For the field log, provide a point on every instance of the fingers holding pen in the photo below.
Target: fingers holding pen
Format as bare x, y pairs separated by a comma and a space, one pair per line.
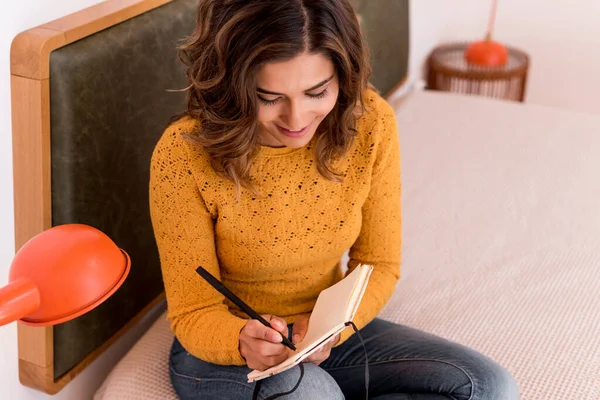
261, 345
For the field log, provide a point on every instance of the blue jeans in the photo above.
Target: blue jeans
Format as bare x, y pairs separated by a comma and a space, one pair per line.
404, 364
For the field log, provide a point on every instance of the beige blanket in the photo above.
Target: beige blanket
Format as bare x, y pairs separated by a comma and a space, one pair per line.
501, 234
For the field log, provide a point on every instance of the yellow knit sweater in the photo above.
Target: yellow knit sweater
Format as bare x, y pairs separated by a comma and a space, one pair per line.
276, 252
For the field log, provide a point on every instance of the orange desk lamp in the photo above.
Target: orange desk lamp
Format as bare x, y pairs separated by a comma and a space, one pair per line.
487, 52
60, 274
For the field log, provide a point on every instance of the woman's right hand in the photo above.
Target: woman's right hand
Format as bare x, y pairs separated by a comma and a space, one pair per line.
260, 345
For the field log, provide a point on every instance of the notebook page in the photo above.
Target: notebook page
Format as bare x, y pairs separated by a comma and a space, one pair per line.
357, 294
331, 309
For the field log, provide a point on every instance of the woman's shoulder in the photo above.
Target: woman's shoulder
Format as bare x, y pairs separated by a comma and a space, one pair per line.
376, 107
174, 141
184, 123
177, 129
378, 115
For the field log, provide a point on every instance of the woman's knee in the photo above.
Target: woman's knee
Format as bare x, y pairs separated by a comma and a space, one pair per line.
316, 384
494, 382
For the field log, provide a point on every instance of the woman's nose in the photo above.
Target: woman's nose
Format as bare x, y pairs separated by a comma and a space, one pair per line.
293, 117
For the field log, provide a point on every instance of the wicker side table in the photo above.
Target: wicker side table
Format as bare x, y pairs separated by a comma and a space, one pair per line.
448, 71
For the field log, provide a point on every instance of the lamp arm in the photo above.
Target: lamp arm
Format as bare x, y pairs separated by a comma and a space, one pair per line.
19, 298
492, 20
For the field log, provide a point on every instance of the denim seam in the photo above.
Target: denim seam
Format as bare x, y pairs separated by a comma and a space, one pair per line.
195, 379
414, 359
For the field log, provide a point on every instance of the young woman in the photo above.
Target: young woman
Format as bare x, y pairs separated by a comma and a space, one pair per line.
284, 160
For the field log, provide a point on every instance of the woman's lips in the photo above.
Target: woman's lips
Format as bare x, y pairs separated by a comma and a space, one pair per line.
294, 134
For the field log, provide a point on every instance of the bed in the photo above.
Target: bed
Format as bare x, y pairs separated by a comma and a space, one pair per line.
501, 226
502, 236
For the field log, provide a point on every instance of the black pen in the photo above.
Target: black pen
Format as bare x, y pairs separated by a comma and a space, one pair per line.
238, 302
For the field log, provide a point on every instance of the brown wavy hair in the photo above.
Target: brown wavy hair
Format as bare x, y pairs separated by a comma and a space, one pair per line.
233, 39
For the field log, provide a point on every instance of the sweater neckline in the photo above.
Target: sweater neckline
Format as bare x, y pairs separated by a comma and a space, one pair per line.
267, 151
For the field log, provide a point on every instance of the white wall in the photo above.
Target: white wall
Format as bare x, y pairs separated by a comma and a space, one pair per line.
561, 36
17, 16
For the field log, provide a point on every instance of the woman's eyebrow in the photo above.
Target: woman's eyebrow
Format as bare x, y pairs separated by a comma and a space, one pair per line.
318, 85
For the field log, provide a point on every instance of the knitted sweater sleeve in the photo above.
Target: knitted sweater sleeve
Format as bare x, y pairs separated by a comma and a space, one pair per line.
379, 241
184, 232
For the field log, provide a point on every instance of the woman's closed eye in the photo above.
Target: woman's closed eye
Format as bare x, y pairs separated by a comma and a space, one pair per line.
270, 102
319, 95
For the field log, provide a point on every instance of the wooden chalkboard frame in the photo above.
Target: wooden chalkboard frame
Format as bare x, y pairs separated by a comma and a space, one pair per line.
30, 92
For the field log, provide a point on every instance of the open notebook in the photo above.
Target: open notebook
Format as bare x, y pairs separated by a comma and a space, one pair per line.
335, 307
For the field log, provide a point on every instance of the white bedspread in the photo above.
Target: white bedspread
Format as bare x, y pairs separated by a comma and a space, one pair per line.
501, 251
501, 234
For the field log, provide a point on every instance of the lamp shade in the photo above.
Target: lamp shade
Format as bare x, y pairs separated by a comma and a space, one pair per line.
60, 274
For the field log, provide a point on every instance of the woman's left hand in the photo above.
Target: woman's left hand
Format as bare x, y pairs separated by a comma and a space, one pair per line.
299, 330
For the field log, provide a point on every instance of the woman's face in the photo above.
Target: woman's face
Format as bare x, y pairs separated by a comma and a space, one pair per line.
294, 97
